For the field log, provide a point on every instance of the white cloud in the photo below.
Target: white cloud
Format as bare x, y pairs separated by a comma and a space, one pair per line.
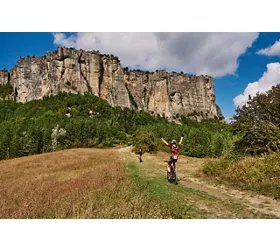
273, 50
269, 78
62, 40
214, 54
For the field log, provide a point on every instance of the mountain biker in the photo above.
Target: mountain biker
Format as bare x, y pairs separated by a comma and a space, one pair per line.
140, 152
174, 152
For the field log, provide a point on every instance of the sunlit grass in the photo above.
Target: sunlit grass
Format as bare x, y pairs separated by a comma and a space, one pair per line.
260, 174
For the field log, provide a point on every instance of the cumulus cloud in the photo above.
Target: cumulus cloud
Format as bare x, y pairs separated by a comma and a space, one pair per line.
273, 50
214, 54
269, 78
62, 40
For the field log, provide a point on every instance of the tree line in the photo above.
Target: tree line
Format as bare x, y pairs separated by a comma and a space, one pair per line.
68, 120
88, 121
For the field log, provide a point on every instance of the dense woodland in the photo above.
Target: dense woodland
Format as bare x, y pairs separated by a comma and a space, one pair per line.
69, 121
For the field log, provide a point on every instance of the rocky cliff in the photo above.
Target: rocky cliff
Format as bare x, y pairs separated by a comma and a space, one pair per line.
78, 71
170, 94
4, 77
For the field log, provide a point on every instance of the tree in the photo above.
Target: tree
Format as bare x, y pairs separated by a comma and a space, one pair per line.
258, 122
56, 133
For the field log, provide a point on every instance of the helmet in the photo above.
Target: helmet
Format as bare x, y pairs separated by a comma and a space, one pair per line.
173, 142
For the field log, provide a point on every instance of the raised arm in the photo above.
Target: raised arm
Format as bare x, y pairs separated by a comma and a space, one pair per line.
164, 141
181, 140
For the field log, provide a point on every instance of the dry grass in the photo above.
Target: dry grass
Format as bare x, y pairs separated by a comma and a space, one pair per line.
189, 199
103, 183
70, 184
30, 186
260, 174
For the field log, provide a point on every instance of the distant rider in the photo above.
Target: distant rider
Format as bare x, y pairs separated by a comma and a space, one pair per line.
140, 152
174, 152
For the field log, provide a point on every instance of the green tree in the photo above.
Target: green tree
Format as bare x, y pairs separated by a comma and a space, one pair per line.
258, 122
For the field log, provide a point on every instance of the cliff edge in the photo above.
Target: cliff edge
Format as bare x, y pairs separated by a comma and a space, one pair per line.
78, 71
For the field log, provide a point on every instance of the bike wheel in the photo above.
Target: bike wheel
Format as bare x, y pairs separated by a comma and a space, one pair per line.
175, 175
167, 176
175, 178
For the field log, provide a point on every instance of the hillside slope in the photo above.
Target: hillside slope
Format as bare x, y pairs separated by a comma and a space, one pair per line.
110, 183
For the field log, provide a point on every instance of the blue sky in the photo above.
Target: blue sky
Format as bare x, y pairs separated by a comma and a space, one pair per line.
182, 52
251, 68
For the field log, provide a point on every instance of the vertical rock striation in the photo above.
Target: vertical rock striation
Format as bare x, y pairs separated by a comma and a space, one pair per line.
77, 71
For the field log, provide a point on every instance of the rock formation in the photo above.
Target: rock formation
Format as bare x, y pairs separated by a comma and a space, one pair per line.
78, 71
170, 94
4, 77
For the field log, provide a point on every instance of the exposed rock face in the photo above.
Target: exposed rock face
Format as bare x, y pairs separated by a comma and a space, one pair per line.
4, 77
172, 93
78, 71
69, 70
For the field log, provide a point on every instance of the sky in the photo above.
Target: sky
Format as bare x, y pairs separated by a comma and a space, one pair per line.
241, 63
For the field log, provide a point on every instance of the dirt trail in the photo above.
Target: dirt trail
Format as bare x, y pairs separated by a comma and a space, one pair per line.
189, 169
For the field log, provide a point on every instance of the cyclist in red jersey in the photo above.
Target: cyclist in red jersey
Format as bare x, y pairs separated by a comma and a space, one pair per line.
174, 152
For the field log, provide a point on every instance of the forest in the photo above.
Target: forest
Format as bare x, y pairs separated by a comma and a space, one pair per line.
70, 121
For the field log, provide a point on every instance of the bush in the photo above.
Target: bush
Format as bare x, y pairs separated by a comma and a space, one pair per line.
260, 174
147, 141
5, 90
200, 139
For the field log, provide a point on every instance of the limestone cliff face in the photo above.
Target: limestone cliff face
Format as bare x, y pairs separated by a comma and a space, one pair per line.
172, 93
4, 77
69, 70
78, 71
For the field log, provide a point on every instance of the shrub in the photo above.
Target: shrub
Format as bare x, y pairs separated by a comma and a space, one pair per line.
260, 174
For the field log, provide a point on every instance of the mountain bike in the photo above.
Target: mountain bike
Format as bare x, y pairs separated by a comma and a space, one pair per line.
173, 177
